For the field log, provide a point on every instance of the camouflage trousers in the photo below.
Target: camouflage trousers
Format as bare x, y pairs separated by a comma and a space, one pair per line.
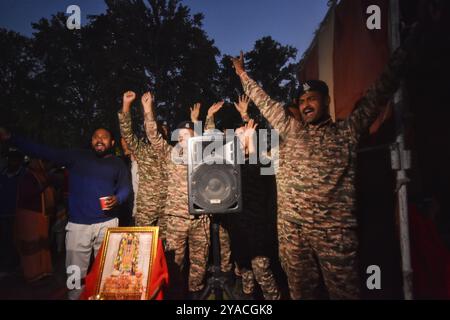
260, 270
187, 234
226, 265
144, 220
162, 224
152, 218
313, 257
251, 253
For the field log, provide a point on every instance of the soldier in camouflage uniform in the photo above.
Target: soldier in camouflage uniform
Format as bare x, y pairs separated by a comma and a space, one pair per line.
152, 190
317, 227
248, 230
183, 230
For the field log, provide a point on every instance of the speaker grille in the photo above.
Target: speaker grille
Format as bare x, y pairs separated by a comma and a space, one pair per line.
214, 186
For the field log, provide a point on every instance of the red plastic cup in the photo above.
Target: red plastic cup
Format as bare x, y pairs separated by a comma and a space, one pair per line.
103, 204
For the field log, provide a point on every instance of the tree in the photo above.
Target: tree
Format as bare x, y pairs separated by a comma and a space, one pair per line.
163, 48
63, 85
16, 76
271, 64
67, 82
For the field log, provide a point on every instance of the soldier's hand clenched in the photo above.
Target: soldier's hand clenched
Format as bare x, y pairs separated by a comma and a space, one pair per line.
147, 103
128, 98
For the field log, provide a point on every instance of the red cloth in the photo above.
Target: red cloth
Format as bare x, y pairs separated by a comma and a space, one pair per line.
310, 69
159, 277
360, 54
430, 259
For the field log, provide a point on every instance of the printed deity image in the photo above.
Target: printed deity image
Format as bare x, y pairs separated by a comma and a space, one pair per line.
125, 282
126, 266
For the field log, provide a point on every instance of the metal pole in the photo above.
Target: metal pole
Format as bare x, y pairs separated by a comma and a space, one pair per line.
401, 161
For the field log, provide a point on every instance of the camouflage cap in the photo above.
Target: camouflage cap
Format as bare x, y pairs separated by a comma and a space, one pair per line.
186, 125
313, 85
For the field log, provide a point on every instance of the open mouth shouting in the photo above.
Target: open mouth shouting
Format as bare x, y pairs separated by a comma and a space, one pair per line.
308, 112
100, 147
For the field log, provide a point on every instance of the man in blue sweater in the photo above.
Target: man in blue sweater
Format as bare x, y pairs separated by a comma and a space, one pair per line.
93, 174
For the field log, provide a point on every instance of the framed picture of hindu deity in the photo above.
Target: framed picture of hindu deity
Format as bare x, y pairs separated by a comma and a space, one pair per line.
126, 263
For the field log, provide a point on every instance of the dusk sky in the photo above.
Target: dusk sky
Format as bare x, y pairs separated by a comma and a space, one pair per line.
233, 24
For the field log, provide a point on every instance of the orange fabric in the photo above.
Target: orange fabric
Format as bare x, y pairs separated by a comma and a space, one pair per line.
48, 195
159, 277
32, 228
33, 244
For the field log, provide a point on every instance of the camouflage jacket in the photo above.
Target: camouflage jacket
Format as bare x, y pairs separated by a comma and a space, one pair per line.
152, 191
318, 162
177, 199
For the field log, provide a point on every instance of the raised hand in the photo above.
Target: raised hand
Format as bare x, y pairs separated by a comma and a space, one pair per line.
250, 128
147, 102
242, 105
238, 64
195, 112
250, 135
214, 108
128, 98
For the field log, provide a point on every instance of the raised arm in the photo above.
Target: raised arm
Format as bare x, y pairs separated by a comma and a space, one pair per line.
151, 127
126, 127
272, 110
35, 150
209, 123
195, 112
250, 136
242, 107
368, 108
371, 105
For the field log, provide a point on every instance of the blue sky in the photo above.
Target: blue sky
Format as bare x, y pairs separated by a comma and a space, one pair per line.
233, 24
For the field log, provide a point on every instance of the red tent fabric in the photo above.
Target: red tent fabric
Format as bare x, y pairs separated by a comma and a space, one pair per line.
159, 277
360, 54
310, 69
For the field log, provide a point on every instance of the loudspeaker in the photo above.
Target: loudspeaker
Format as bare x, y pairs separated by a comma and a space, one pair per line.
214, 175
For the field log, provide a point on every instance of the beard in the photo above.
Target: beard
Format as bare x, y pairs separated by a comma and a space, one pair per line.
102, 153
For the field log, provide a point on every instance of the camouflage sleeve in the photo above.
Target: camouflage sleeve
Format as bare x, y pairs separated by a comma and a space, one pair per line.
369, 107
126, 131
156, 139
209, 123
272, 110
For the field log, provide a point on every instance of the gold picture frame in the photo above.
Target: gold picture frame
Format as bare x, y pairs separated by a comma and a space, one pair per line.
126, 263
